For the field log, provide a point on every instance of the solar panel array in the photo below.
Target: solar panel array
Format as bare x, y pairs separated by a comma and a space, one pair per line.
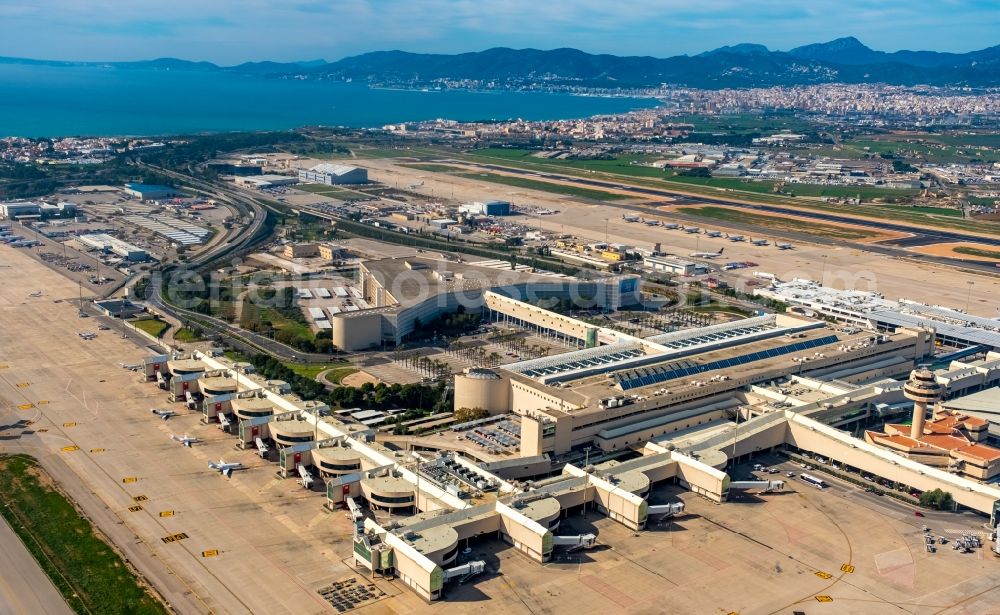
646, 376
578, 359
709, 337
175, 230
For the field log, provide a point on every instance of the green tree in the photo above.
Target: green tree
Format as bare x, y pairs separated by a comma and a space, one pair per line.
937, 499
464, 415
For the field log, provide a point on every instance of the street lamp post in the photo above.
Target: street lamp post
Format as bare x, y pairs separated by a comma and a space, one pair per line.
968, 297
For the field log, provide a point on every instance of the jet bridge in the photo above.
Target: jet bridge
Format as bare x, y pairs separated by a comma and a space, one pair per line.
665, 510
575, 543
765, 486
464, 572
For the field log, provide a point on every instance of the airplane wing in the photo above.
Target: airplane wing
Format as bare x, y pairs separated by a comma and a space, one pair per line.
227, 472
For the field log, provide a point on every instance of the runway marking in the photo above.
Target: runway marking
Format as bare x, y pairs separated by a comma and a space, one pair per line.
140, 498
70, 449
26, 406
847, 568
210, 553
130, 479
97, 450
166, 513
824, 599
135, 508
4, 366
174, 537
69, 424
42, 402
823, 575
23, 385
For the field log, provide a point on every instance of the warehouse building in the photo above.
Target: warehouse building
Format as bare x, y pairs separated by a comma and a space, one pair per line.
333, 174
150, 192
13, 211
672, 265
107, 243
261, 182
488, 208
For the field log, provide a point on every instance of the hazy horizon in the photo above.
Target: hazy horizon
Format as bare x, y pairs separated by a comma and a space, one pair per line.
228, 32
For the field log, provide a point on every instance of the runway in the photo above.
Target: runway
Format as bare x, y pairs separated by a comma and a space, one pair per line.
24, 588
929, 235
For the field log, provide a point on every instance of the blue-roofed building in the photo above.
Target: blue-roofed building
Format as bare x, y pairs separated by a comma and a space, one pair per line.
150, 192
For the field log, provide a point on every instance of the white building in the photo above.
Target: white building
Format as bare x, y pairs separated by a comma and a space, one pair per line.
669, 264
332, 174
10, 211
266, 181
107, 243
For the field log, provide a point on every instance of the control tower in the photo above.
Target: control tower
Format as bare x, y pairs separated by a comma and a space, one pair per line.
923, 389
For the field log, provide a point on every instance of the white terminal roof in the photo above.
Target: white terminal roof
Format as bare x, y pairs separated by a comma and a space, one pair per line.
950, 323
631, 352
333, 169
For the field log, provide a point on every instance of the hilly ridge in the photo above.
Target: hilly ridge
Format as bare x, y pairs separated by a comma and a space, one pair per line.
844, 60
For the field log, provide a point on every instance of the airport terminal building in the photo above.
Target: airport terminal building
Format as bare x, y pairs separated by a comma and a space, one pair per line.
402, 293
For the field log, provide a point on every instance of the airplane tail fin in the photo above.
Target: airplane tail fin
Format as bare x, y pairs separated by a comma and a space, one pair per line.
227, 472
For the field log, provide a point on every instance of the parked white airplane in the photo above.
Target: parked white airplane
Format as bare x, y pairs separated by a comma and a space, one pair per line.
186, 440
707, 254
226, 469
671, 226
692, 229
713, 233
630, 218
134, 366
759, 242
163, 414
87, 336
784, 246
735, 237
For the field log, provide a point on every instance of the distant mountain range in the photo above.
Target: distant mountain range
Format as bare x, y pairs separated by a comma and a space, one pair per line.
844, 60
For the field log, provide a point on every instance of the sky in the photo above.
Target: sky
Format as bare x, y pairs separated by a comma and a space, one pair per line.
234, 31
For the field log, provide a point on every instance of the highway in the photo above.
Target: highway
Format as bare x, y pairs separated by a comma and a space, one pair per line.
240, 241
932, 235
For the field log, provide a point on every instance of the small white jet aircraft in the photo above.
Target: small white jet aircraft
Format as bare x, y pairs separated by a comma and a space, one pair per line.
163, 414
707, 254
87, 336
186, 440
759, 242
784, 246
133, 366
226, 469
